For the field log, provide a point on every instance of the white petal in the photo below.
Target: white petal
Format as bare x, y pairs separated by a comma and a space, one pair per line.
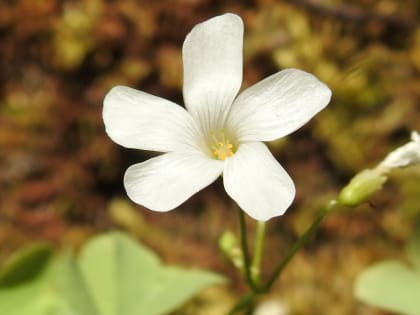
212, 59
139, 120
164, 182
277, 106
404, 156
257, 182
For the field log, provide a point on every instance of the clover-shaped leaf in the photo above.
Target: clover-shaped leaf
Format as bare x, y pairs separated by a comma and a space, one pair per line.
413, 249
392, 285
127, 279
113, 275
25, 265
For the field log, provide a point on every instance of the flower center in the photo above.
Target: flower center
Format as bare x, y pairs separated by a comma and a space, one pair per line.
221, 146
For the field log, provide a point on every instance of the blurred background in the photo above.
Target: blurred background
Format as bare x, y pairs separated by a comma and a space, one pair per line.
61, 176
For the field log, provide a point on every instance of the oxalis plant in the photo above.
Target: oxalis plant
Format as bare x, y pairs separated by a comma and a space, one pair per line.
218, 133
222, 133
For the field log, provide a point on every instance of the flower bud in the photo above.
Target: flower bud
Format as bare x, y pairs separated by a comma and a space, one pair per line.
361, 187
404, 156
229, 246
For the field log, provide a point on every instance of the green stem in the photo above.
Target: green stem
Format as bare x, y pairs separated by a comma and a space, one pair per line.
258, 251
299, 244
245, 252
243, 303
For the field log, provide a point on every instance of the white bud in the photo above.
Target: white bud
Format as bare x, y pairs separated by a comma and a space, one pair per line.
406, 155
361, 187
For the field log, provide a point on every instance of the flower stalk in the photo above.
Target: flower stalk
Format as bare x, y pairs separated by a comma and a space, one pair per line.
245, 252
258, 251
248, 299
299, 244
243, 303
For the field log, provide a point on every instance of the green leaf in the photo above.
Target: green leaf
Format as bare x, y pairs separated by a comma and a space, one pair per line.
413, 249
25, 299
114, 275
125, 278
390, 285
65, 283
58, 290
25, 264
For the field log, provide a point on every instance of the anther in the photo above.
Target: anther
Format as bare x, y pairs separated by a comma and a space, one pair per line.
221, 146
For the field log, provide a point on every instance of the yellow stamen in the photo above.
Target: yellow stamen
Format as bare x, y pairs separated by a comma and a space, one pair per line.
221, 146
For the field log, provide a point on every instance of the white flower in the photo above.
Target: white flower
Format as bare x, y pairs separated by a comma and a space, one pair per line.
406, 155
219, 132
